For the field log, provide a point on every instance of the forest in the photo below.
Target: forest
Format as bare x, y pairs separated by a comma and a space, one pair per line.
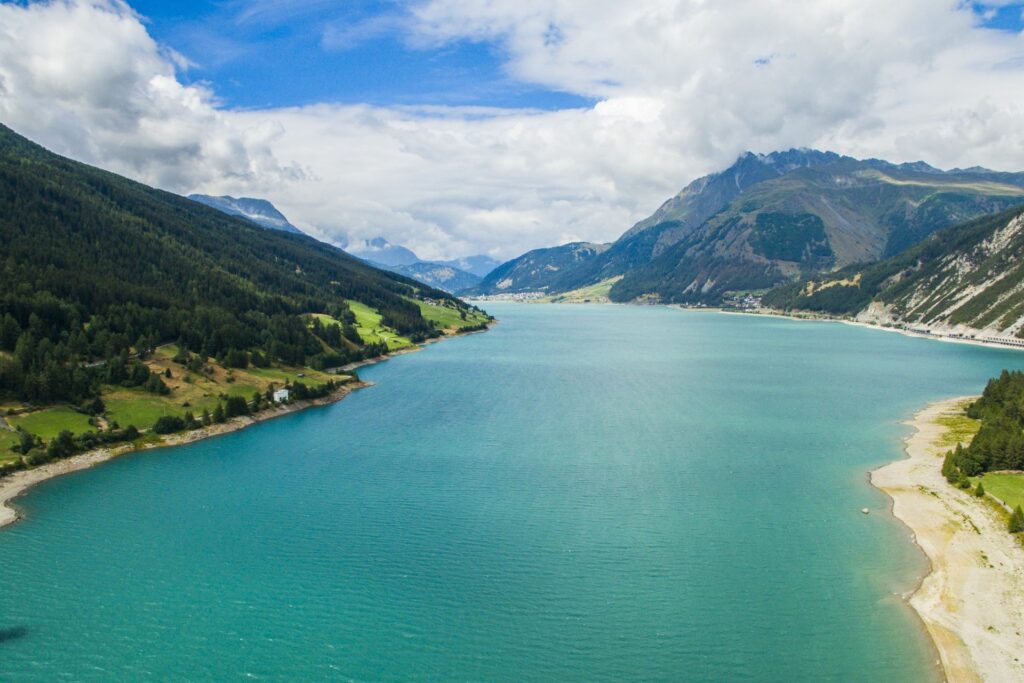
999, 443
96, 271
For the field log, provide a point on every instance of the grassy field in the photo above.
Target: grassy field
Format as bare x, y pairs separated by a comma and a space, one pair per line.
281, 375
142, 409
961, 429
7, 440
448, 318
196, 392
372, 330
190, 391
1006, 486
50, 422
591, 294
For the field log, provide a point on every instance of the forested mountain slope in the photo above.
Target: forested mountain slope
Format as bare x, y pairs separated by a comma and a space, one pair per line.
968, 279
97, 269
540, 270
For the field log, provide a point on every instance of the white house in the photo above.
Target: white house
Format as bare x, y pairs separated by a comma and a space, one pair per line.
281, 395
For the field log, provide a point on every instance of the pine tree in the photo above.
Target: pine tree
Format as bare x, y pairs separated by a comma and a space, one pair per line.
980, 491
1016, 521
949, 468
218, 414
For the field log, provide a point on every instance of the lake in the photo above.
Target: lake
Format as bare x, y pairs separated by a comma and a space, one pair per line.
584, 493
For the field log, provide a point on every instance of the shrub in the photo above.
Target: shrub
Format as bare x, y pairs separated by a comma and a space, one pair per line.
235, 406
26, 442
168, 424
61, 446
94, 407
980, 491
1016, 524
156, 385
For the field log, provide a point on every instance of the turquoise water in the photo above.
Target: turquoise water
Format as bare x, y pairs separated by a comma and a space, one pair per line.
588, 493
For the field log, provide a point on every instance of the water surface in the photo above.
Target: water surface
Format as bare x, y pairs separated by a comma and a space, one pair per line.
591, 493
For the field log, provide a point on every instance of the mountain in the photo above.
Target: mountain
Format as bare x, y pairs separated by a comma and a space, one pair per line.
95, 268
440, 275
379, 250
968, 279
815, 216
259, 211
769, 219
540, 270
479, 265
451, 276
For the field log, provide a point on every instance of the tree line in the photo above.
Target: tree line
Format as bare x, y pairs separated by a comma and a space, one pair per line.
999, 443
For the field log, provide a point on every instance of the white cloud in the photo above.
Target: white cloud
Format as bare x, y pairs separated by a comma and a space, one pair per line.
85, 79
682, 88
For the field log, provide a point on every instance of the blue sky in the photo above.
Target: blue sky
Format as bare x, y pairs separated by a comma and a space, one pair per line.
1008, 17
267, 53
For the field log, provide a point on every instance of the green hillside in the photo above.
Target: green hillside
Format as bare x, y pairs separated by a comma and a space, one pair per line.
97, 271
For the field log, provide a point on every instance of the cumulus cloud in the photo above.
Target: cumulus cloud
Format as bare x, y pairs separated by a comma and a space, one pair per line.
86, 79
682, 87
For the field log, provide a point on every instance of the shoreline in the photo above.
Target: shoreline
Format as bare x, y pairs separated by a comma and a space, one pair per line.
971, 601
21, 482
822, 318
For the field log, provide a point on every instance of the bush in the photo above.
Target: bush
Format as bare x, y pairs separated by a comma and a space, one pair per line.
980, 491
235, 406
94, 407
61, 446
26, 442
168, 424
156, 385
1016, 524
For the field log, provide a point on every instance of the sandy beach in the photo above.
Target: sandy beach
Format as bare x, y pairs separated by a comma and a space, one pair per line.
972, 601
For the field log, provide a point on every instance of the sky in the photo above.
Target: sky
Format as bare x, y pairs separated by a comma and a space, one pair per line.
458, 127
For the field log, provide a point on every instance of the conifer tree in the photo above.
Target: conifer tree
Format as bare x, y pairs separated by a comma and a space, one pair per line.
1016, 521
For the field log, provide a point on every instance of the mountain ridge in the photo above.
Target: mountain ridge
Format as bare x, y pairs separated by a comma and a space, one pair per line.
259, 211
967, 281
771, 218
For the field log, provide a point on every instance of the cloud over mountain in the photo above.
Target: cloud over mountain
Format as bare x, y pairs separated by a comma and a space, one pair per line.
681, 88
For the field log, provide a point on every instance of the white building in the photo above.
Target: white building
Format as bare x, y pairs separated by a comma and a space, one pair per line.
281, 395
